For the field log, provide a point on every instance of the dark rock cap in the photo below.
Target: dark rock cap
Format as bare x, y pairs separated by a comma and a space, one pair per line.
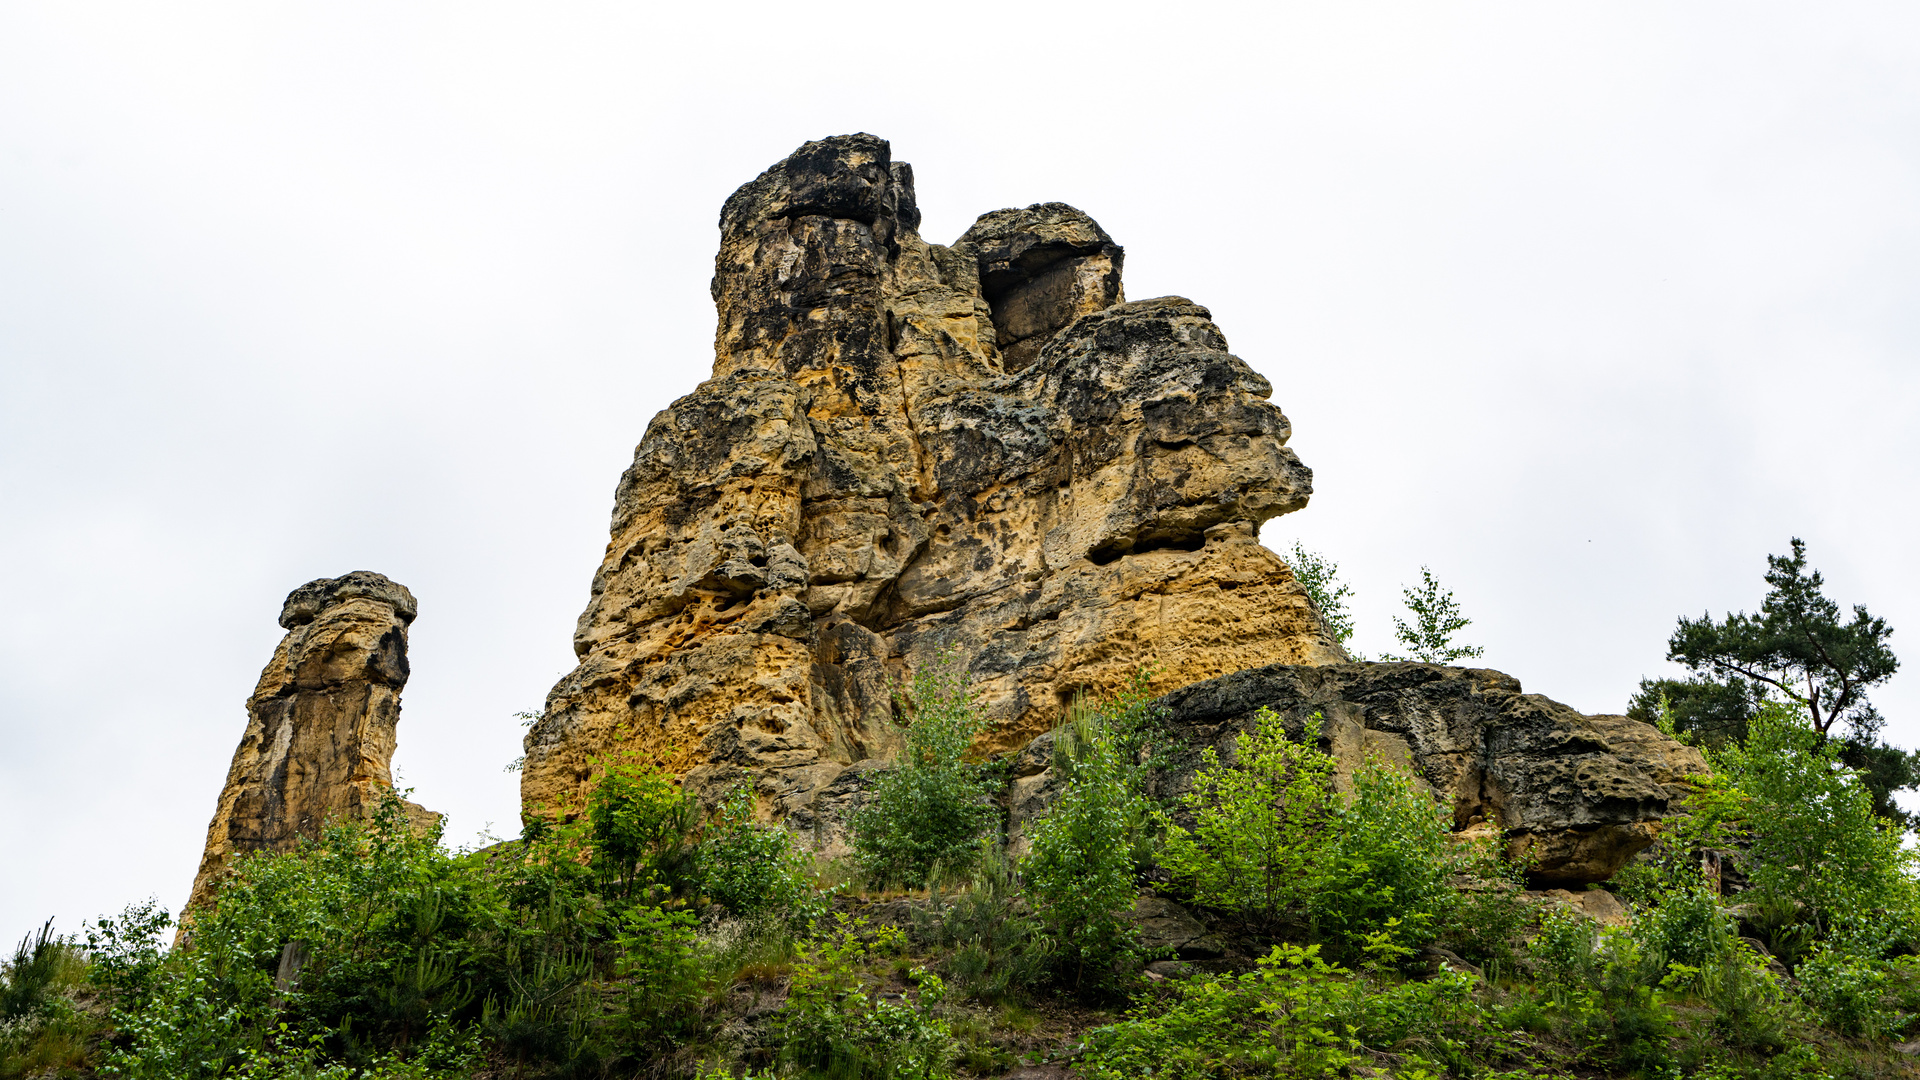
305, 603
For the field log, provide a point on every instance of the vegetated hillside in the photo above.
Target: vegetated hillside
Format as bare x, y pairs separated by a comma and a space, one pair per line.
1278, 918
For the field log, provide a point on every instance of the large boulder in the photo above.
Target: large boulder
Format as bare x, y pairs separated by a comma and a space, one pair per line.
905, 447
1574, 796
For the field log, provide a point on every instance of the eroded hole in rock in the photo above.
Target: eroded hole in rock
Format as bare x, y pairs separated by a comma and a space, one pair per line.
1171, 543
1040, 269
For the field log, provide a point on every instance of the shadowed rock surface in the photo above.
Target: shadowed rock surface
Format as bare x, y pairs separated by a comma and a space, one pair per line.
905, 446
320, 724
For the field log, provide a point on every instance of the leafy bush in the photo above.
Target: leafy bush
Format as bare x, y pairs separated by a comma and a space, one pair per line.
931, 807
1687, 926
1803, 826
1320, 577
1080, 873
43, 1031
640, 828
1385, 865
1861, 995
1491, 912
1272, 841
754, 869
665, 979
998, 947
836, 1023
375, 950
1255, 821
1294, 1016
1436, 618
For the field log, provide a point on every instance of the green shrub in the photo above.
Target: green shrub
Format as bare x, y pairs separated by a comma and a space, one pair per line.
931, 808
1080, 873
1859, 995
640, 826
753, 869
1280, 1020
1803, 825
837, 1024
1272, 841
664, 980
1686, 926
374, 951
1294, 1016
43, 1030
1252, 846
1132, 741
1491, 913
998, 947
1386, 864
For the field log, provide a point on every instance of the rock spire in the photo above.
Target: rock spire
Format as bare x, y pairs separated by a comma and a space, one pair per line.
320, 724
906, 446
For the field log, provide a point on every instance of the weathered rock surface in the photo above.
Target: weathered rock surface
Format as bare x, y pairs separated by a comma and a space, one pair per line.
1597, 904
320, 724
1166, 926
906, 446
1577, 795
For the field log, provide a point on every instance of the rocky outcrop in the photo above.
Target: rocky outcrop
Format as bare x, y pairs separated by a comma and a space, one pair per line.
904, 447
320, 724
1573, 796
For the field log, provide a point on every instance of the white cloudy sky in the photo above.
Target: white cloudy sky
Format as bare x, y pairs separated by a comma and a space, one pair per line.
1587, 306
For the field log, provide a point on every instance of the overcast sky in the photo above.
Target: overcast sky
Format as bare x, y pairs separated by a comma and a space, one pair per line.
1589, 307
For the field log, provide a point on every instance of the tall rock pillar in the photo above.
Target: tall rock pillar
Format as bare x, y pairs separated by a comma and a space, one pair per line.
320, 725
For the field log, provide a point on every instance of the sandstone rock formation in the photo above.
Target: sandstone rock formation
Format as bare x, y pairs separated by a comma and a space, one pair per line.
905, 446
320, 724
1575, 795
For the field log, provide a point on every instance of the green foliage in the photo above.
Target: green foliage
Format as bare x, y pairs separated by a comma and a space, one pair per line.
1862, 995
1797, 644
1705, 711
1436, 618
837, 1023
1251, 847
1803, 826
1319, 575
27, 982
998, 948
376, 952
1384, 865
1883, 769
1491, 912
1294, 1016
355, 947
1272, 842
754, 869
664, 978
1688, 926
1128, 736
639, 827
1080, 873
44, 1031
1617, 991
931, 808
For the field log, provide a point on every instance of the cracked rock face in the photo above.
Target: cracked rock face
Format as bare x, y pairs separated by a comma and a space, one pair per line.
320, 724
1574, 795
906, 446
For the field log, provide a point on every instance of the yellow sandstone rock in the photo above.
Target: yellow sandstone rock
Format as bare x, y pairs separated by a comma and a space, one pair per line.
320, 724
905, 447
